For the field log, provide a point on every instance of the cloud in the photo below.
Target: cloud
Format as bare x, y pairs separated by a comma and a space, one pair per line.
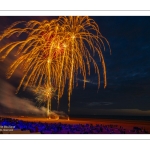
87, 81
111, 112
61, 114
98, 104
130, 112
13, 103
17, 105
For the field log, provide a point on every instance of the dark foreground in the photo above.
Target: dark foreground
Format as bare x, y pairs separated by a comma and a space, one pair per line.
30, 125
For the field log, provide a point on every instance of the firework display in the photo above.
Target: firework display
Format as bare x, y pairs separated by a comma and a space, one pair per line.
44, 94
54, 53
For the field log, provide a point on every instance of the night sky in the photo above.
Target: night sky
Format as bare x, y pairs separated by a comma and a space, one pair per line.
128, 73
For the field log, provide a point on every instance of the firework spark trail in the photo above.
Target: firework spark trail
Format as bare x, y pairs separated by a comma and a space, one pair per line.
54, 52
81, 35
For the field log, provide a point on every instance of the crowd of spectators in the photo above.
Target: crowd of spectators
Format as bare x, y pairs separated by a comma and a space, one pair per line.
59, 128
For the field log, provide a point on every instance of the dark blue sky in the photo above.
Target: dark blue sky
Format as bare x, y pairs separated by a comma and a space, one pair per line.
128, 69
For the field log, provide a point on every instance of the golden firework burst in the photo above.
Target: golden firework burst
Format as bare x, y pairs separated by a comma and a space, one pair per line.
55, 51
